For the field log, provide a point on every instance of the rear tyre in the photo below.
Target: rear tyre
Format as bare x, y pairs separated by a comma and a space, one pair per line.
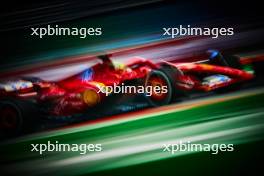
16, 117
166, 79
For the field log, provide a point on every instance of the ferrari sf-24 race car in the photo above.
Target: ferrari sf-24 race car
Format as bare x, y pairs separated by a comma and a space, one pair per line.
27, 98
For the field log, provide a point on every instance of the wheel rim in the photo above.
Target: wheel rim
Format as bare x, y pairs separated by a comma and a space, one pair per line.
158, 81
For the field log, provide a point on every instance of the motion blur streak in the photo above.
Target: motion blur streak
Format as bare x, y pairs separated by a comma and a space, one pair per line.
152, 46
49, 67
235, 118
61, 10
143, 114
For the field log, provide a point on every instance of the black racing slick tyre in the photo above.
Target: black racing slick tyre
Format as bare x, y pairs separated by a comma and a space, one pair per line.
226, 60
16, 117
166, 79
233, 61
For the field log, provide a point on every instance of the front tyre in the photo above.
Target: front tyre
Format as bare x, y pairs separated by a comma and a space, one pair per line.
233, 62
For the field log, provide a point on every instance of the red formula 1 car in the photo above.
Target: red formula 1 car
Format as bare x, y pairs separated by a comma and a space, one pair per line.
27, 98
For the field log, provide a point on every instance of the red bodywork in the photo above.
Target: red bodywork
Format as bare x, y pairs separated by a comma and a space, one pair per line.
79, 92
190, 81
67, 96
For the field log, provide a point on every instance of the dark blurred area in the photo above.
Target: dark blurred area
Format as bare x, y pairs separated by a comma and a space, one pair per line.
130, 16
21, 14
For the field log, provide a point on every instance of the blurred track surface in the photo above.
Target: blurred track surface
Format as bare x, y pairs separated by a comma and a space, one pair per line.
138, 137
